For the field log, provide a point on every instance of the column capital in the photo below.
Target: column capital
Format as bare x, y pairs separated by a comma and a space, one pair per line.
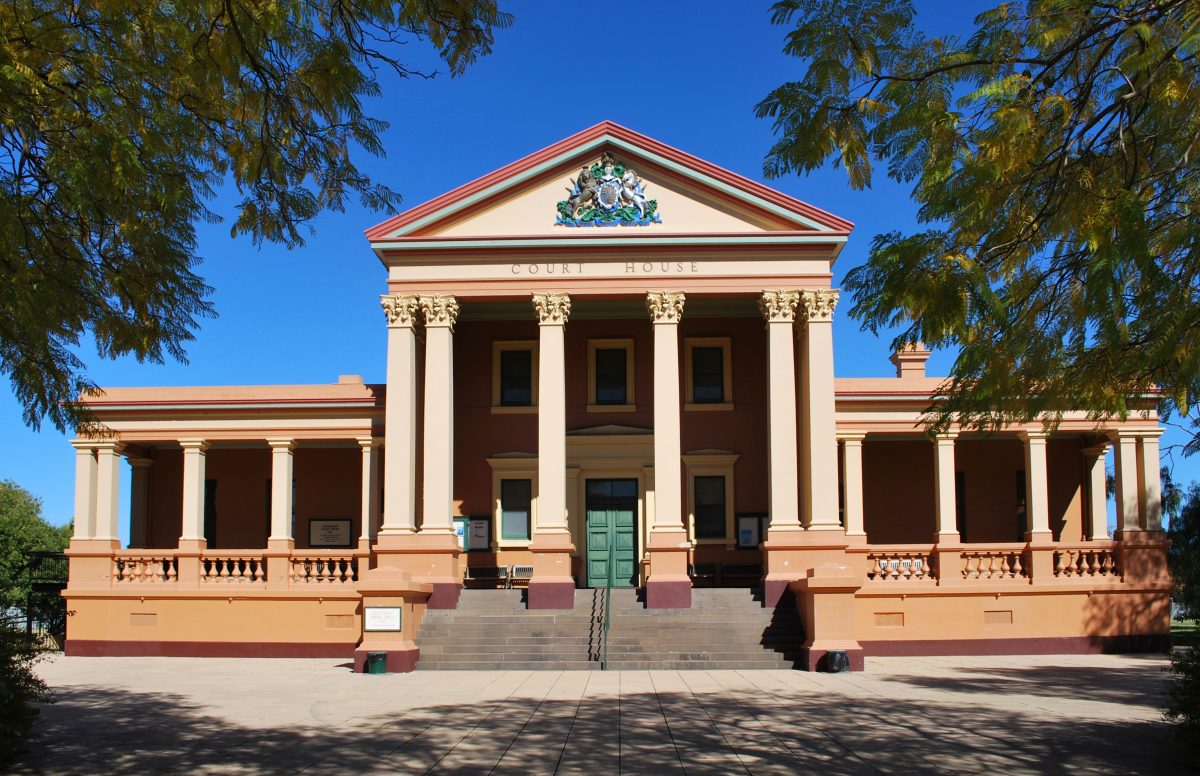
140, 463
439, 310
365, 442
201, 445
1097, 451
779, 306
851, 436
945, 436
552, 309
1135, 433
288, 444
1033, 435
817, 304
84, 445
665, 306
108, 444
401, 311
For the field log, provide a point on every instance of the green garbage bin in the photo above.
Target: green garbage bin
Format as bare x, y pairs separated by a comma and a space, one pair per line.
376, 663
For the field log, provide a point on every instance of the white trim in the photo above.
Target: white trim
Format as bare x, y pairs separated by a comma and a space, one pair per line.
577, 242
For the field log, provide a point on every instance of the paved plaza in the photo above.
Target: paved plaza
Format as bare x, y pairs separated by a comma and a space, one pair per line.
1011, 715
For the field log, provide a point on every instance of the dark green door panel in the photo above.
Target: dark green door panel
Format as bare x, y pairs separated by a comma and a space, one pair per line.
611, 532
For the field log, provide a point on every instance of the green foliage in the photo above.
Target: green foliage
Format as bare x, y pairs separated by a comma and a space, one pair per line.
22, 531
1052, 154
20, 688
119, 120
1183, 706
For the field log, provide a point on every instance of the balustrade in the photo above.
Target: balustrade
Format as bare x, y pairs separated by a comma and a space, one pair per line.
995, 562
308, 568
139, 567
895, 564
233, 568
1090, 559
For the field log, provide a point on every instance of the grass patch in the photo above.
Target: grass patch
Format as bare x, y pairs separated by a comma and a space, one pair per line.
1185, 633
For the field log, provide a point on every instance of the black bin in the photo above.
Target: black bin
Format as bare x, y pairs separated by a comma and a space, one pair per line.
836, 661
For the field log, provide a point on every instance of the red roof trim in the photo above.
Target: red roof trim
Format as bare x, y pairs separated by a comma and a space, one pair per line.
579, 139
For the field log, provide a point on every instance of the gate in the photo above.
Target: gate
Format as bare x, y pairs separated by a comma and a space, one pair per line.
45, 608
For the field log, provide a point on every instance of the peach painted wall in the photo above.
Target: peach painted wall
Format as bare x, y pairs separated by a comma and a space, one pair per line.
1064, 465
328, 486
241, 477
166, 498
990, 469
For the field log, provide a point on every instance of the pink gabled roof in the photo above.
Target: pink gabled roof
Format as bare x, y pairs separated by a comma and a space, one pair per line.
565, 147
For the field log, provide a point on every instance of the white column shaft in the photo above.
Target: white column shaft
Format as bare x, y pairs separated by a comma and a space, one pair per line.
819, 484
282, 474
192, 527
1096, 528
666, 309
438, 491
1127, 483
946, 502
852, 482
108, 485
784, 508
1037, 507
400, 435
369, 518
1151, 504
552, 430
85, 493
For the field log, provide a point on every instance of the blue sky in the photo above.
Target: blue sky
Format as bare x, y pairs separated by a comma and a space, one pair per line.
687, 74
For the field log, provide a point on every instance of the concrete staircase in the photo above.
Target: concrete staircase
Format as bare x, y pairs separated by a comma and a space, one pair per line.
725, 628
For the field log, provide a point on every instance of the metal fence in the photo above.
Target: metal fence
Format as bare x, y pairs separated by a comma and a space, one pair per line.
45, 615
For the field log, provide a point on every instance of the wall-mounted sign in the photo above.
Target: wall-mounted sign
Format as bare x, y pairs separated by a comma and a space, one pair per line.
381, 618
750, 530
328, 533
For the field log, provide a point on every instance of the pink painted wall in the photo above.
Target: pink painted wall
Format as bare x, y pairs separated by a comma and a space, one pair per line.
898, 493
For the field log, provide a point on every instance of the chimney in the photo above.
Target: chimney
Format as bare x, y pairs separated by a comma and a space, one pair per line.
349, 380
910, 361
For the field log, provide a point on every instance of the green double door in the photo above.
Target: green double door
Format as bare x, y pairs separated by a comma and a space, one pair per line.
612, 532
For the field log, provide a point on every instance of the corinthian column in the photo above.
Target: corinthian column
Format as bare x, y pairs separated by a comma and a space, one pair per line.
400, 434
552, 586
820, 476
779, 310
668, 585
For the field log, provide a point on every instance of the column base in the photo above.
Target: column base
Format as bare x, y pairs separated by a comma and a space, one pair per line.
551, 586
790, 551
430, 558
399, 660
824, 599
668, 585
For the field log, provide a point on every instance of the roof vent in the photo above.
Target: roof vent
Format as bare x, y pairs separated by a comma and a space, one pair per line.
910, 361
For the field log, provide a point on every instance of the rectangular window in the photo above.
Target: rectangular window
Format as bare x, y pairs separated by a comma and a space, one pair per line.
516, 499
708, 375
611, 376
710, 507
516, 378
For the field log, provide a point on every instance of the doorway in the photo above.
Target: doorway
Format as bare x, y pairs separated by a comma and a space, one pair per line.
611, 514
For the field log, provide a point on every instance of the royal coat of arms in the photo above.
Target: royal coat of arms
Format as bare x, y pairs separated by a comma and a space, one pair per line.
607, 194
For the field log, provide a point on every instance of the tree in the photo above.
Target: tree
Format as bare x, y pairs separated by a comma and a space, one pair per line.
1052, 153
22, 531
119, 120
1183, 706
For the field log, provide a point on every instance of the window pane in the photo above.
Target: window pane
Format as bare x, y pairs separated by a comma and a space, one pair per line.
516, 378
710, 507
515, 499
610, 376
708, 375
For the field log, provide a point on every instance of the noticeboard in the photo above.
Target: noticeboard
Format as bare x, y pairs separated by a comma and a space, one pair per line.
381, 618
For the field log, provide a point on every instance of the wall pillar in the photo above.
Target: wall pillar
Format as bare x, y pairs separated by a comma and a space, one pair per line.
1096, 520
139, 501
1126, 473
191, 537
281, 542
789, 552
1037, 507
552, 586
668, 584
1150, 504
852, 485
369, 498
85, 489
108, 484
400, 431
945, 502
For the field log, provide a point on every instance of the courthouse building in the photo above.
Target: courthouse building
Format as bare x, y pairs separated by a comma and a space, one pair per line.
608, 363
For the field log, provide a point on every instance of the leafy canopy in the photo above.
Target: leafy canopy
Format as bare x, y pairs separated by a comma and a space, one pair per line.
1052, 153
22, 531
119, 119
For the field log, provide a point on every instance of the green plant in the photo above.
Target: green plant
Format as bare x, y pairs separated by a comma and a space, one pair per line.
1183, 706
20, 689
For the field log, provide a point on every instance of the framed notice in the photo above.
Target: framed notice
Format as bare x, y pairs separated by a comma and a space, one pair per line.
328, 533
750, 530
381, 618
479, 539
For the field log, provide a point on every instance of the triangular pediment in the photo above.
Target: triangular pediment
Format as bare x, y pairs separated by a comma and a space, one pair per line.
666, 192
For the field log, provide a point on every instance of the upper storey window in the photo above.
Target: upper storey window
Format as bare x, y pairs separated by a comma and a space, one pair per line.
610, 375
709, 374
514, 376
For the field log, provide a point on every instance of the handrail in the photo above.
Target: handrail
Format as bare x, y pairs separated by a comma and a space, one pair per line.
607, 613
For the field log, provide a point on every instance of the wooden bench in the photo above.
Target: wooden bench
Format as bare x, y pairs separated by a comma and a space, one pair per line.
519, 576
740, 575
703, 574
486, 576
